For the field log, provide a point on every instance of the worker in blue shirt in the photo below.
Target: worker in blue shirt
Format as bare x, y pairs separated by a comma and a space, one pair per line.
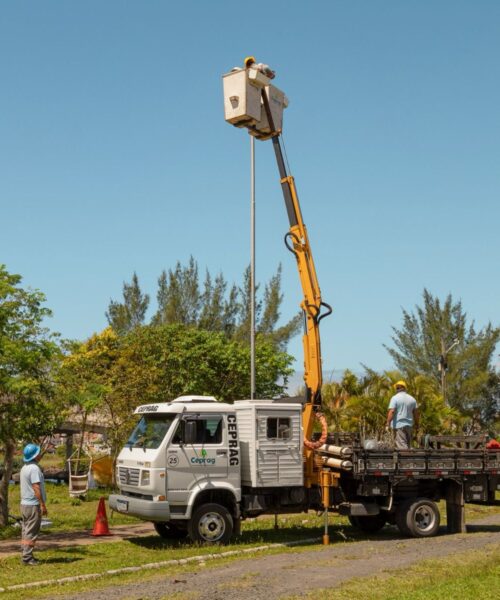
402, 416
33, 498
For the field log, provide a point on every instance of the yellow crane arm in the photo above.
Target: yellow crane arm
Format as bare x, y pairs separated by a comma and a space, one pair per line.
297, 242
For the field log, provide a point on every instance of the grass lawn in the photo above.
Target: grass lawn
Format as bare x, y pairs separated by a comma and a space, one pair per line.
474, 574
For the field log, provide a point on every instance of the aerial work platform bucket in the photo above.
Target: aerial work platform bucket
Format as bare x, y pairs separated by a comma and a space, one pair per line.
244, 102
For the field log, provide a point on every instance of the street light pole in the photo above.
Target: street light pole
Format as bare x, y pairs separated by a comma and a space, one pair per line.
252, 267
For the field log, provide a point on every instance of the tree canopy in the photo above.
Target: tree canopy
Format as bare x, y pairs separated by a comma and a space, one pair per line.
124, 316
360, 403
27, 359
465, 372
112, 375
213, 305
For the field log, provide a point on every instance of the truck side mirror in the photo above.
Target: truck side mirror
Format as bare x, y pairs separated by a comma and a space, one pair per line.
190, 432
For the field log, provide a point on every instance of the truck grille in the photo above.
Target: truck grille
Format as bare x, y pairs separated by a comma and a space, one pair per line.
129, 476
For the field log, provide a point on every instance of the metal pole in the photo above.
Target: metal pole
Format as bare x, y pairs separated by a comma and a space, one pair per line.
443, 371
443, 365
252, 267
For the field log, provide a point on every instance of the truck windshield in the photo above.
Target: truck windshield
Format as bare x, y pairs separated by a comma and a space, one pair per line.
150, 431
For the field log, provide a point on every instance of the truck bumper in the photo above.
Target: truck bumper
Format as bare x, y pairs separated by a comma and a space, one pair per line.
148, 510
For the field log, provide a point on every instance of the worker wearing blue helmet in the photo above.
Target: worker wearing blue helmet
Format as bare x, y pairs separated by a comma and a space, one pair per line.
33, 500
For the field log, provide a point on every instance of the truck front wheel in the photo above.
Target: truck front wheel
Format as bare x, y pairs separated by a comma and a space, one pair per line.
418, 518
211, 523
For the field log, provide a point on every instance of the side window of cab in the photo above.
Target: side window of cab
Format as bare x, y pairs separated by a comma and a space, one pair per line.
208, 430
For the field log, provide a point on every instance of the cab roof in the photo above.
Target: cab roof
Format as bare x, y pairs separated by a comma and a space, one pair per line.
182, 403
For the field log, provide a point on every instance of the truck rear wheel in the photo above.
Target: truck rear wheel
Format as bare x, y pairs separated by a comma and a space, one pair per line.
418, 518
169, 531
211, 523
369, 524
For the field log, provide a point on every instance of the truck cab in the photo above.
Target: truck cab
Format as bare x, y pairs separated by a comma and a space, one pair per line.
178, 453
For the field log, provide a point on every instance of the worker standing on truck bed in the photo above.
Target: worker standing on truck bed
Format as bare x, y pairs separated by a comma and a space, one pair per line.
403, 415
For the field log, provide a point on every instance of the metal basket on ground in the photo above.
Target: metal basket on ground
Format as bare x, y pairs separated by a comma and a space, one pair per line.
79, 471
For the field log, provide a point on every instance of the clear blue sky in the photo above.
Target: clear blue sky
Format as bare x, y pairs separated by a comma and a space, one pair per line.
115, 157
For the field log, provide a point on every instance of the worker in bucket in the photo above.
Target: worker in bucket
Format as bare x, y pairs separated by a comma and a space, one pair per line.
33, 498
402, 416
250, 63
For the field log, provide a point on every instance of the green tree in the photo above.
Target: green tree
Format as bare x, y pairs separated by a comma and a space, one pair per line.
158, 363
337, 397
85, 380
242, 331
436, 418
223, 308
110, 375
361, 403
425, 335
267, 312
179, 295
28, 353
218, 312
124, 316
268, 325
367, 410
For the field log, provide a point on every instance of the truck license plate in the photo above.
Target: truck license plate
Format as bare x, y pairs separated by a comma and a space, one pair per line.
122, 505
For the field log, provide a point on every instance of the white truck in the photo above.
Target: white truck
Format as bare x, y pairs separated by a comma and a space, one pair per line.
196, 467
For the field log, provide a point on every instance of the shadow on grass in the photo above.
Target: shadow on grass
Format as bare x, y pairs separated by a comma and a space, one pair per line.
61, 560
338, 534
66, 552
155, 542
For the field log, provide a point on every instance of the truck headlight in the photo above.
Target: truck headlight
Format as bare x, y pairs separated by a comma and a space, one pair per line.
145, 479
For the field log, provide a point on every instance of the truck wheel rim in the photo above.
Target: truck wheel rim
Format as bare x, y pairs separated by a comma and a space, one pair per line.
211, 527
424, 518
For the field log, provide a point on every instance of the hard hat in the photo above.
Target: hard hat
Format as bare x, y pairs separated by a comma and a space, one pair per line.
248, 61
400, 383
30, 452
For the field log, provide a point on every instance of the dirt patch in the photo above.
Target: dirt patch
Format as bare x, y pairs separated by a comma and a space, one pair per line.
296, 573
48, 540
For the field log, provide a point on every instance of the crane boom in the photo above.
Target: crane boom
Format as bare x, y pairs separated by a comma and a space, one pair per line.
297, 241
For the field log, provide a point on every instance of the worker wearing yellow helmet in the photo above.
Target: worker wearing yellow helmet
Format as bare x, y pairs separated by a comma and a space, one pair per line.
402, 416
251, 63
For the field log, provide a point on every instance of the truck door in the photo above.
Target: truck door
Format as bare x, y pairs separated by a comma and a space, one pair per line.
207, 460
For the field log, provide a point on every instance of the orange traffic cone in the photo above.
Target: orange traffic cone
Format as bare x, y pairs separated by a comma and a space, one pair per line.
101, 520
